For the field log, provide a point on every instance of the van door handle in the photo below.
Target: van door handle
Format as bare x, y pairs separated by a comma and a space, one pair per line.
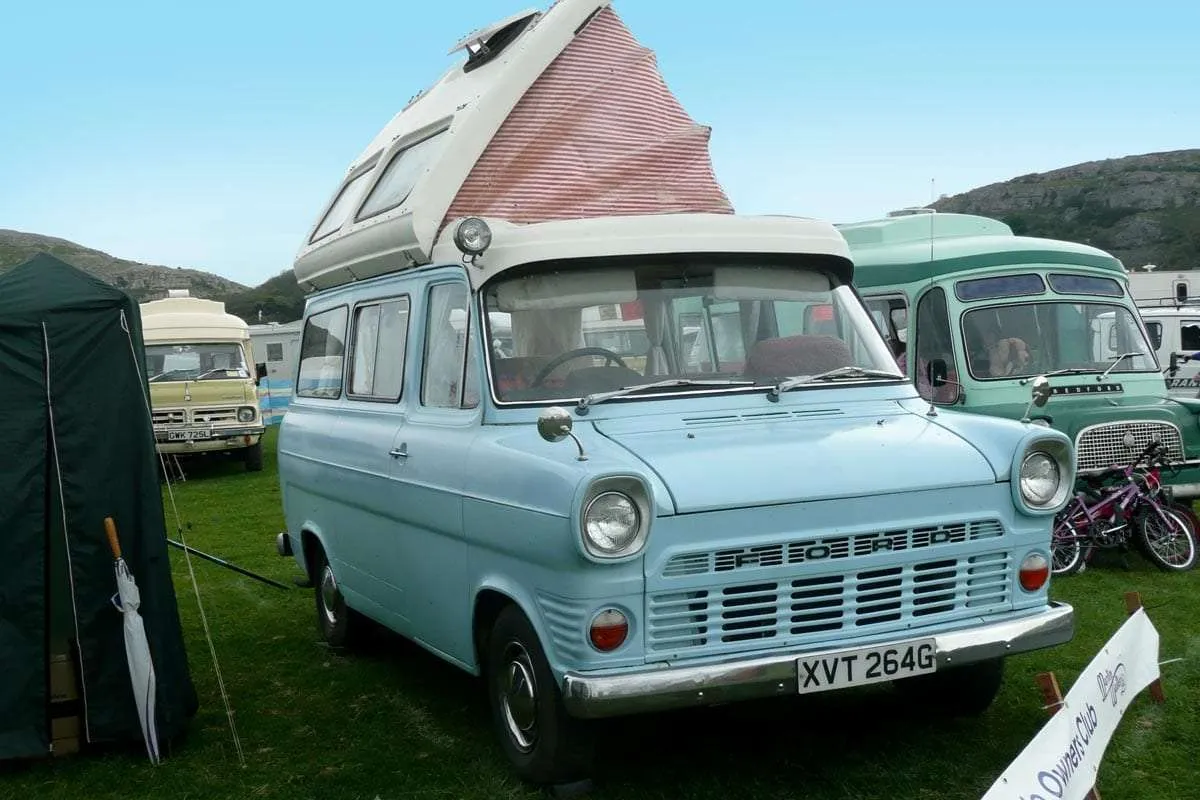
399, 452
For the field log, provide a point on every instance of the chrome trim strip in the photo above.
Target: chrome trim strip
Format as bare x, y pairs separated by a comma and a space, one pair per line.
661, 688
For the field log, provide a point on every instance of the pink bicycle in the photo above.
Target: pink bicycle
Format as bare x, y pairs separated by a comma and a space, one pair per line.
1121, 504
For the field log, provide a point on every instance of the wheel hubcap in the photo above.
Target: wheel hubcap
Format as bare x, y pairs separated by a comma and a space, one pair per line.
330, 596
518, 697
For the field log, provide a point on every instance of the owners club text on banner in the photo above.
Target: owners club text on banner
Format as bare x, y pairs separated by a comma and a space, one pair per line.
1061, 762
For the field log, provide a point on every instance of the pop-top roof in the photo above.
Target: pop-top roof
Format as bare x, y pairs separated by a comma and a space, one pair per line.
189, 319
551, 116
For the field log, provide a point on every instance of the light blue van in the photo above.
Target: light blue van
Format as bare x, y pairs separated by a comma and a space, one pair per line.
596, 540
569, 423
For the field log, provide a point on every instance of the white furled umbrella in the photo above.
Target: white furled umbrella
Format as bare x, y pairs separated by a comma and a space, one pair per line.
137, 649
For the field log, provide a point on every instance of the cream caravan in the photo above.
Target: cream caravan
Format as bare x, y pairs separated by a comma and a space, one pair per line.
203, 392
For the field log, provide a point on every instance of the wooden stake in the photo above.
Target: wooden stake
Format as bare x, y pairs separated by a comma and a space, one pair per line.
1133, 601
1053, 697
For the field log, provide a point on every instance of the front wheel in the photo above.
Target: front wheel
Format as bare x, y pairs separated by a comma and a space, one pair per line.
1167, 539
254, 457
965, 691
339, 625
543, 743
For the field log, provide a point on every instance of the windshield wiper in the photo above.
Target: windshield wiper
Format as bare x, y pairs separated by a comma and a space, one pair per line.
1113, 366
841, 372
600, 397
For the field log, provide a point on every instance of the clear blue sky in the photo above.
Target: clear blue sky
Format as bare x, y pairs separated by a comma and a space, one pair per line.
209, 134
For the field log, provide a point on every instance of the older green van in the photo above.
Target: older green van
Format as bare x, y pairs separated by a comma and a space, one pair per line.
975, 313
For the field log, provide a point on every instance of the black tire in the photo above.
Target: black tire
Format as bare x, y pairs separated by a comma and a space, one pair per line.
339, 625
1170, 545
965, 691
254, 457
542, 742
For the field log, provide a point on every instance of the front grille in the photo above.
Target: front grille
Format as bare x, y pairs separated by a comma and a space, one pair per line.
207, 416
829, 547
789, 612
1116, 444
169, 417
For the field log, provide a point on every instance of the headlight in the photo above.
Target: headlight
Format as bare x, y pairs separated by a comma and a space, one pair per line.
1040, 479
614, 517
611, 522
246, 414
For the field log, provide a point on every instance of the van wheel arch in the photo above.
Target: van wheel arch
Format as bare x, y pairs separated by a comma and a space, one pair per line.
311, 547
488, 605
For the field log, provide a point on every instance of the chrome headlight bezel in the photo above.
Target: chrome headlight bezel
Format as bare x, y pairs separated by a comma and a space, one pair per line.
247, 418
632, 489
1062, 454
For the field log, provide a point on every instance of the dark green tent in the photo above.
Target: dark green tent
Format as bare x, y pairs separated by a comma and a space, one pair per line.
76, 446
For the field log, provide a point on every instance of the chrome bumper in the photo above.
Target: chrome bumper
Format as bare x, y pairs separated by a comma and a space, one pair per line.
662, 688
1184, 491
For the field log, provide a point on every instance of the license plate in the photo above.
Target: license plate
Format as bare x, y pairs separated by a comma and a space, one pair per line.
187, 436
846, 668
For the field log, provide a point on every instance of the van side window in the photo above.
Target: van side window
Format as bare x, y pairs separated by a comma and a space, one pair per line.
1155, 331
322, 352
450, 378
1189, 335
380, 337
890, 314
934, 341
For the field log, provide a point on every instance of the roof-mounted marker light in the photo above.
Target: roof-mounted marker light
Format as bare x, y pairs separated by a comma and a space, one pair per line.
472, 237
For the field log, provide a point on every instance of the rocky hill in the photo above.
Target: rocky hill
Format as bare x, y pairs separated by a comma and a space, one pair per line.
1143, 209
141, 281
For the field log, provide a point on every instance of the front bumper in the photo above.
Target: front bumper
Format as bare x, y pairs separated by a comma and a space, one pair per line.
218, 439
663, 688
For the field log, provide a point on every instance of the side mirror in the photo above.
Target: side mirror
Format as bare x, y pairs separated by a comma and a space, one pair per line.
554, 424
260, 372
938, 373
1041, 391
1174, 364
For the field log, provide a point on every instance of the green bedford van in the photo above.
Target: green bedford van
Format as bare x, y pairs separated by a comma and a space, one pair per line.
974, 313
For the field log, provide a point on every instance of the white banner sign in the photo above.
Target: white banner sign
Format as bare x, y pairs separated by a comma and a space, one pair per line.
1061, 762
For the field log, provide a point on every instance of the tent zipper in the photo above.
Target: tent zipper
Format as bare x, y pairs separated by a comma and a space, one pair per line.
62, 502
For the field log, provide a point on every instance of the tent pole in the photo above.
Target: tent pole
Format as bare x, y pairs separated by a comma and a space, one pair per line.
223, 563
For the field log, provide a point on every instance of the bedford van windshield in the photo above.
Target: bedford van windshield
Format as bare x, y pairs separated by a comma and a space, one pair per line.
721, 324
1054, 338
195, 362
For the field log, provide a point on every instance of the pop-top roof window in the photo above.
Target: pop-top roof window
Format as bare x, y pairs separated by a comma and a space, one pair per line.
401, 175
340, 210
1084, 284
1000, 286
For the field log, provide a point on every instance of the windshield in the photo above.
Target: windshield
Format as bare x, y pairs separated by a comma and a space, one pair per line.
577, 330
1028, 339
192, 362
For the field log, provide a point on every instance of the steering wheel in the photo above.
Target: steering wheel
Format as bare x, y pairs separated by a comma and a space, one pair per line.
581, 352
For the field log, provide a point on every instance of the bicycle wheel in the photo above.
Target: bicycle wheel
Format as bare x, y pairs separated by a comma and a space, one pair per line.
1167, 539
1066, 550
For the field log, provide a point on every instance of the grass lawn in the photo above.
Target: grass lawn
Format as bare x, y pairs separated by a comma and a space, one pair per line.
394, 722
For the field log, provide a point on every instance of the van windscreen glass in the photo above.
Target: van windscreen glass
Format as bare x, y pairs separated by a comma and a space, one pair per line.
573, 328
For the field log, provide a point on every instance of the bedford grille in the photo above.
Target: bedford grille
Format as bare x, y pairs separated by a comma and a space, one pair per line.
168, 417
791, 611
207, 416
1118, 443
